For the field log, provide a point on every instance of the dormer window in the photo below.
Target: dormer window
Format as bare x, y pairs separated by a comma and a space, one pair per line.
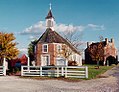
45, 48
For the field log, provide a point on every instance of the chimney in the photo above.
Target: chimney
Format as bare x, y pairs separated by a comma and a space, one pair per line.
106, 39
112, 40
89, 43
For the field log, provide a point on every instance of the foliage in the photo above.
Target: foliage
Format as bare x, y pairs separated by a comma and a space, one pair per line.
72, 63
96, 51
66, 51
7, 46
31, 50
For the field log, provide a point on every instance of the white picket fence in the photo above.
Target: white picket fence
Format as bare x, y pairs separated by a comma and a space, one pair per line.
2, 70
55, 71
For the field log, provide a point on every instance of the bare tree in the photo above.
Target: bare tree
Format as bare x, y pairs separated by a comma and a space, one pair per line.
74, 37
101, 38
66, 52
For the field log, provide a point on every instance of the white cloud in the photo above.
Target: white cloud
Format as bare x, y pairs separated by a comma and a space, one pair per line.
96, 27
70, 27
35, 30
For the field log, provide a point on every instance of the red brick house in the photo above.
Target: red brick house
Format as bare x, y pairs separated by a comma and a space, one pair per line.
51, 47
105, 50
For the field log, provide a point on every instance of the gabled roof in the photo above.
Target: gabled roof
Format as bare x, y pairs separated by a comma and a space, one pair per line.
50, 36
49, 15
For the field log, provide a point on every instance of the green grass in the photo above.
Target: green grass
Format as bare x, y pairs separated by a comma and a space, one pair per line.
93, 71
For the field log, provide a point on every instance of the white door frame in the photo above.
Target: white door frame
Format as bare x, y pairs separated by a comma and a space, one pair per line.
45, 55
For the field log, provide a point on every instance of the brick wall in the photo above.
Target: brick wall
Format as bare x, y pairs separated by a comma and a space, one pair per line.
51, 52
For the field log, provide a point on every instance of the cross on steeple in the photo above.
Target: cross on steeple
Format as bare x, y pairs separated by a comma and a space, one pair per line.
50, 6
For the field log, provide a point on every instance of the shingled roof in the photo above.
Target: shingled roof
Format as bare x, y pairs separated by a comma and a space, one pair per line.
50, 36
49, 15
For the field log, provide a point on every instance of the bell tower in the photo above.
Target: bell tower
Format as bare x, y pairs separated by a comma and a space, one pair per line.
50, 20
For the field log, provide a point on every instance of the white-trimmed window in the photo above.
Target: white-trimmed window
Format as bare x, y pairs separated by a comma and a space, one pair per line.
45, 48
59, 47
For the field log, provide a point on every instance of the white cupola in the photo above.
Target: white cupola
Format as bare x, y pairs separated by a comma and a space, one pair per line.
50, 20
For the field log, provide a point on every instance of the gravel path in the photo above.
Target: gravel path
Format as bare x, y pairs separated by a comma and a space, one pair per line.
16, 84
115, 73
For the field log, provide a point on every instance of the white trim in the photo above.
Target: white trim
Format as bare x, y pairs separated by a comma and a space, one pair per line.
59, 47
60, 61
43, 55
43, 48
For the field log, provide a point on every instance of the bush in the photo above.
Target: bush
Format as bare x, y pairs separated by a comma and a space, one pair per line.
72, 63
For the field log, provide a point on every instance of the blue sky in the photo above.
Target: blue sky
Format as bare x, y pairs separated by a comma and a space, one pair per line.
26, 18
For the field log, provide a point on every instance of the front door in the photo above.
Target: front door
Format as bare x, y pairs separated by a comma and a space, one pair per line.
45, 61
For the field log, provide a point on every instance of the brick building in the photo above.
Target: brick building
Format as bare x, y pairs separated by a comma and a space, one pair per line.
105, 51
51, 47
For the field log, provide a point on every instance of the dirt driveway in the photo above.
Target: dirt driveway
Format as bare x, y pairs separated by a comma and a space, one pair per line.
16, 84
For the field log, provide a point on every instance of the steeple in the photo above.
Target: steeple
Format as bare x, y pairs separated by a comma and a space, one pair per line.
50, 19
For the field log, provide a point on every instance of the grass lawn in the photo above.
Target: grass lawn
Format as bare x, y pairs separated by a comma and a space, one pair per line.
94, 72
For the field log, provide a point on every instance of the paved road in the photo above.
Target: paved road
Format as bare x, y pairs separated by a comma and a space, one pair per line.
16, 84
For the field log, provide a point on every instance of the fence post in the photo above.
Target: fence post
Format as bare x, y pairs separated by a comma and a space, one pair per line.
62, 71
65, 72
4, 70
86, 71
40, 70
57, 71
4, 66
28, 62
22, 70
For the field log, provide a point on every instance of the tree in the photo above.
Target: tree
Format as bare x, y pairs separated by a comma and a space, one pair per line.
101, 38
31, 50
8, 48
96, 51
74, 37
66, 51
